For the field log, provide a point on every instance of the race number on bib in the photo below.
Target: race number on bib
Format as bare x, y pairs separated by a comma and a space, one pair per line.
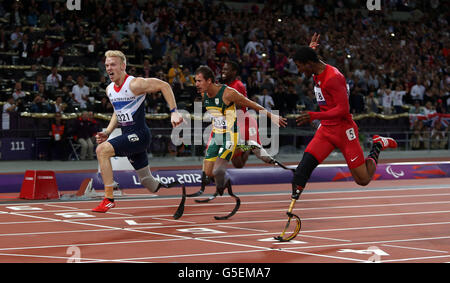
319, 96
351, 134
124, 117
220, 122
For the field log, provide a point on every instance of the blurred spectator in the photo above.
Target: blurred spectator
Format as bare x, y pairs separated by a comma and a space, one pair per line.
265, 100
113, 43
310, 101
176, 77
3, 41
67, 98
10, 105
356, 101
44, 19
417, 108
429, 108
440, 107
16, 38
189, 78
268, 84
32, 72
280, 63
18, 92
292, 100
40, 105
438, 136
95, 127
418, 136
58, 146
372, 81
32, 17
59, 106
43, 92
386, 98
46, 51
80, 92
69, 82
104, 106
39, 81
279, 98
418, 91
54, 79
252, 86
397, 101
223, 46
145, 40
146, 69
252, 45
24, 49
371, 103
154, 102
83, 135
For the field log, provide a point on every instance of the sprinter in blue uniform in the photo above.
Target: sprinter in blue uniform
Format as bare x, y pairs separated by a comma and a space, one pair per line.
127, 95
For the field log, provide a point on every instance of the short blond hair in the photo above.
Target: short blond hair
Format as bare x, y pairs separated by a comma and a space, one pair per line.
116, 53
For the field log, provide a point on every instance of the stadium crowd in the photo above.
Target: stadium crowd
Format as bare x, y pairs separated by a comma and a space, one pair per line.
391, 66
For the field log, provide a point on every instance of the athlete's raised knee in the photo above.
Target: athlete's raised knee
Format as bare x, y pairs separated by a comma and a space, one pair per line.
104, 150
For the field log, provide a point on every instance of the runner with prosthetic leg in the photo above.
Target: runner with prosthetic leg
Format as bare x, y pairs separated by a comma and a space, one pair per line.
249, 140
220, 101
337, 128
127, 95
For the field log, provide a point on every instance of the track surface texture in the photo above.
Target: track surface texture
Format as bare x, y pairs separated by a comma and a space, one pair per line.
387, 221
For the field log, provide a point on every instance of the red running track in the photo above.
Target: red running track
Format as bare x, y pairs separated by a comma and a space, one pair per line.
401, 221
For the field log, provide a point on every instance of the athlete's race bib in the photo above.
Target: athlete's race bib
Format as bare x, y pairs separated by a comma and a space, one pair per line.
220, 123
319, 96
124, 118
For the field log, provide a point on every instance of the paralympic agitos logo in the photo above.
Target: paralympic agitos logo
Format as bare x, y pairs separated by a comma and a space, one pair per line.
395, 174
373, 5
73, 5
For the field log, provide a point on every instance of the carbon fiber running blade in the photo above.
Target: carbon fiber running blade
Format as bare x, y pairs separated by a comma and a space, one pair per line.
180, 209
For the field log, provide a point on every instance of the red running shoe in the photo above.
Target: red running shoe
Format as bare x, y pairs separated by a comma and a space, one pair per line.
385, 142
104, 206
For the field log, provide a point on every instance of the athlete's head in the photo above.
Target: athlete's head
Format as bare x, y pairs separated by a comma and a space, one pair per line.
115, 64
229, 71
305, 58
204, 77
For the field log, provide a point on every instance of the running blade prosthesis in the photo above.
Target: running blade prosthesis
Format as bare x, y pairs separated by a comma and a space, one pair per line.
298, 225
206, 181
180, 209
296, 191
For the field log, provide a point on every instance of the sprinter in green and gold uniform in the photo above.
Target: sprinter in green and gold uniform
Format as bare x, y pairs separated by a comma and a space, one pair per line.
225, 135
220, 101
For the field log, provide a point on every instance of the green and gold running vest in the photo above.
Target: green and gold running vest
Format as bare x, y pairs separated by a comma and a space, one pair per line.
224, 116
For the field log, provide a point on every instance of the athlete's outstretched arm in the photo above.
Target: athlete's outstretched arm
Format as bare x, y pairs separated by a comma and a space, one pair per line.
141, 86
231, 95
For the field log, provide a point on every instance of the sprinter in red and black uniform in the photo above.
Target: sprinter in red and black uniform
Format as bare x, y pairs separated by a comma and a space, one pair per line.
337, 128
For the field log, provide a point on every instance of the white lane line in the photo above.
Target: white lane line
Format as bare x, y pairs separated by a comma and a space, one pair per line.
243, 228
416, 258
418, 249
